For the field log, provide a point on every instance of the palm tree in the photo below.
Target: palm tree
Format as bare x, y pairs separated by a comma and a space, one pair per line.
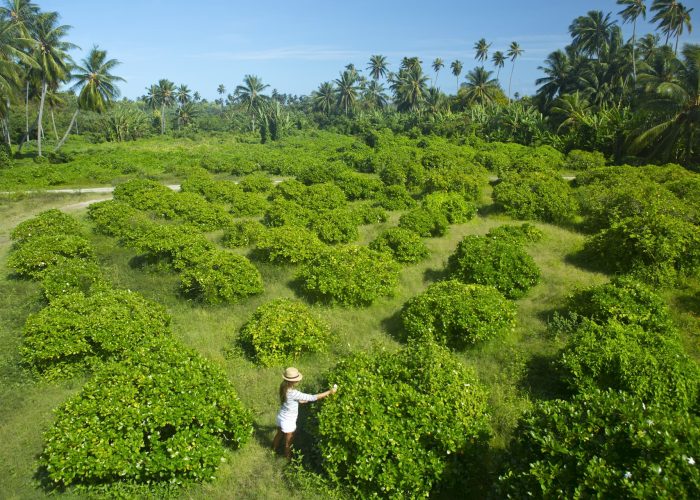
377, 66
499, 61
590, 33
375, 96
186, 113
677, 100
165, 97
482, 50
514, 51
456, 67
196, 97
323, 99
250, 95
410, 88
633, 10
182, 94
346, 91
51, 55
647, 45
572, 109
672, 17
438, 64
221, 90
96, 85
480, 87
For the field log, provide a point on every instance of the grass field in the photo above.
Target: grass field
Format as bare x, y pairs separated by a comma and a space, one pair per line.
516, 370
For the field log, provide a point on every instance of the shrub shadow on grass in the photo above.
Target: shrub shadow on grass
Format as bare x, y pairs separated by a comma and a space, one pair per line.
433, 275
543, 379
689, 302
149, 263
586, 261
393, 326
488, 210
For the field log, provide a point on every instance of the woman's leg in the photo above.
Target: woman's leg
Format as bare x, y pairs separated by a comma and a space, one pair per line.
276, 441
288, 436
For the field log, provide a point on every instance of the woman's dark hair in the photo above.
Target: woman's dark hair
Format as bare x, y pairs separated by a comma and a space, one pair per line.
284, 387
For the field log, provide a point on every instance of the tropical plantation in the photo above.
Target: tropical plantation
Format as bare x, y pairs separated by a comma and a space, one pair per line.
504, 288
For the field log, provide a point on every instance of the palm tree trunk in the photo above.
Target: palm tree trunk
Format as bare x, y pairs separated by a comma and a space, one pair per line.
26, 114
8, 137
634, 57
510, 80
70, 126
53, 121
40, 126
162, 120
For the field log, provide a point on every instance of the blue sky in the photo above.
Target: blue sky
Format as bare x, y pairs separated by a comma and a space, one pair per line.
295, 45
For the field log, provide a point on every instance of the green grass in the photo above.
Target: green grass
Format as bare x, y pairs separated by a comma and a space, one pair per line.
517, 370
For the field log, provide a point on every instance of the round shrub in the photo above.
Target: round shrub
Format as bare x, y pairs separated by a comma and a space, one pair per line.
281, 330
48, 223
42, 252
335, 226
283, 212
256, 183
404, 424
627, 358
164, 414
457, 315
71, 276
653, 245
495, 161
454, 180
147, 195
403, 245
320, 197
395, 197
424, 222
290, 189
352, 276
626, 301
358, 186
288, 244
536, 195
76, 331
212, 190
452, 205
320, 173
522, 234
603, 444
113, 218
577, 159
365, 213
178, 247
242, 233
500, 263
220, 276
245, 204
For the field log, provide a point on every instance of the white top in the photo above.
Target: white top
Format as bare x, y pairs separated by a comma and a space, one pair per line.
290, 408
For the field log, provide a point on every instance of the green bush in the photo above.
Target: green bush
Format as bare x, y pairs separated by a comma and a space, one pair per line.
395, 197
335, 226
358, 186
76, 332
626, 301
5, 157
365, 213
212, 190
603, 444
220, 277
197, 211
498, 262
536, 195
162, 415
523, 234
178, 247
147, 195
248, 204
281, 330
627, 358
656, 247
71, 276
242, 233
288, 244
351, 276
457, 315
584, 160
283, 212
495, 161
49, 223
319, 197
256, 183
321, 172
403, 245
424, 222
452, 205
454, 180
290, 189
40, 253
113, 218
404, 424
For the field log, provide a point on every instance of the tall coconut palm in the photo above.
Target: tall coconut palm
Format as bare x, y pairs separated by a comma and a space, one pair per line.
196, 97
51, 55
323, 99
378, 66
182, 94
221, 90
410, 88
95, 84
499, 61
165, 98
456, 67
558, 80
514, 51
590, 33
250, 95
677, 101
480, 88
647, 45
633, 9
346, 91
672, 17
482, 50
186, 113
438, 64
374, 95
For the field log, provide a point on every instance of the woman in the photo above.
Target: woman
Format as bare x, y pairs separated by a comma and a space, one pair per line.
290, 399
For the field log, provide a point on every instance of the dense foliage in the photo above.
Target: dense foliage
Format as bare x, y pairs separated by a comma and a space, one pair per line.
403, 424
281, 330
404, 246
424, 222
536, 195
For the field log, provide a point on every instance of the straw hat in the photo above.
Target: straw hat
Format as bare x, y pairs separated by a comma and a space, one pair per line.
291, 374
